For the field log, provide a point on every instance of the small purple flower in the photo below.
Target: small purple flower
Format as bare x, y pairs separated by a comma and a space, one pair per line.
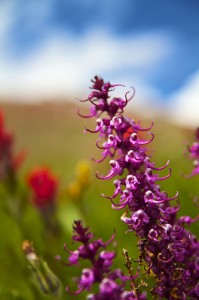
87, 279
74, 257
108, 287
137, 220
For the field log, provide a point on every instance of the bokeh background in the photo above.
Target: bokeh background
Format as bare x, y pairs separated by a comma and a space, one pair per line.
49, 51
52, 48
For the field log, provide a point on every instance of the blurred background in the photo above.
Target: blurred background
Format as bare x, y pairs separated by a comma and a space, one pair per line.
49, 51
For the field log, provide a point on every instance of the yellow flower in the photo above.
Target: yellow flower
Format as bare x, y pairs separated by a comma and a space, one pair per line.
83, 171
74, 189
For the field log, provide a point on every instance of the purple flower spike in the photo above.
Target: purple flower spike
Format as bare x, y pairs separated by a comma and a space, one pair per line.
194, 154
111, 283
167, 249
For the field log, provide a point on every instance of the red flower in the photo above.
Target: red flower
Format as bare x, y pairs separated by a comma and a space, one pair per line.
44, 187
9, 162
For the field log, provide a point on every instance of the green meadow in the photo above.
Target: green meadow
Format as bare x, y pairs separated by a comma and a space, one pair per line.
52, 135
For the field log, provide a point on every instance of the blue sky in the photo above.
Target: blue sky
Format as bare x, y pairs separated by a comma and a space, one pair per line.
53, 48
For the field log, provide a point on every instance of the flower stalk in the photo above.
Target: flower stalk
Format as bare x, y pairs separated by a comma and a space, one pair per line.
46, 280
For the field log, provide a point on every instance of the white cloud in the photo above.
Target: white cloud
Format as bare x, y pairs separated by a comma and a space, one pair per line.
185, 103
65, 65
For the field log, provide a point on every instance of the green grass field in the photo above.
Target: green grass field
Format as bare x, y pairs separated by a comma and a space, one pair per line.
52, 135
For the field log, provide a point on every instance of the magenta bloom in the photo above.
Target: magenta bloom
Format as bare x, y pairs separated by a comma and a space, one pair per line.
167, 249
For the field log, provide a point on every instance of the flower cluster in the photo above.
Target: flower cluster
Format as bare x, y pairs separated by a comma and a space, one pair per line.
167, 249
111, 283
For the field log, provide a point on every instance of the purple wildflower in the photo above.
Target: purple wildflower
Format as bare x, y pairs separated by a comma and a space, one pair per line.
194, 154
167, 249
111, 283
